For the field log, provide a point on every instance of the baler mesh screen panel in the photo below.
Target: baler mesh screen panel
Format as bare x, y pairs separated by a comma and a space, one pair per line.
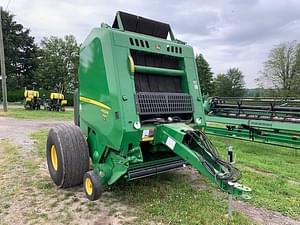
154, 60
142, 25
157, 83
163, 103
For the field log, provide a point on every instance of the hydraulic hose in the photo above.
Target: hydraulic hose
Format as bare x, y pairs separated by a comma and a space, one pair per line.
227, 171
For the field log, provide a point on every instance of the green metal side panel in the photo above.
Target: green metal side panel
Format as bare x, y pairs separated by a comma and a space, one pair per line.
194, 88
95, 63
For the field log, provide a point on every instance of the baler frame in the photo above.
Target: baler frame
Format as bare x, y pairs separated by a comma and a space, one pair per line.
139, 106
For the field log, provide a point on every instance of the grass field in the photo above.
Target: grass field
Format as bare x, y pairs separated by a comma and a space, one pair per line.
172, 198
271, 172
21, 113
180, 197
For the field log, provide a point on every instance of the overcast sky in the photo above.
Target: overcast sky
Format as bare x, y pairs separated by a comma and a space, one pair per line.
229, 33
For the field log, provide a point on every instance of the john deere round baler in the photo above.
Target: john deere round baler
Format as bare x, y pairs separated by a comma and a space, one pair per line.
138, 112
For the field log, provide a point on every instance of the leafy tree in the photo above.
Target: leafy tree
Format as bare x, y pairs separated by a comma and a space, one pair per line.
205, 75
280, 69
222, 86
297, 60
58, 60
296, 70
230, 84
20, 53
236, 78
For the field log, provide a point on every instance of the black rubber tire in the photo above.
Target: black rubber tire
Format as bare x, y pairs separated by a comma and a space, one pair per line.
97, 187
27, 106
72, 155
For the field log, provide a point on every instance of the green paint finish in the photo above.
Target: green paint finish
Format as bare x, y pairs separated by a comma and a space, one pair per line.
107, 106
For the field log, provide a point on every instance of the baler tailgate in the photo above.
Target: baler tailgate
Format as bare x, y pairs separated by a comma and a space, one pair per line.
177, 137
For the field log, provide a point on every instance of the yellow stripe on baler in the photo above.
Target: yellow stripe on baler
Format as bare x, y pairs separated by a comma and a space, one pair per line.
94, 102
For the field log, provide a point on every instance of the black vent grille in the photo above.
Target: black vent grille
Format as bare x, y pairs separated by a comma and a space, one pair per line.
149, 103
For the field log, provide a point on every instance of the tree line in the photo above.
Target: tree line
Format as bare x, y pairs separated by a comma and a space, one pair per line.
52, 65
229, 84
280, 76
281, 70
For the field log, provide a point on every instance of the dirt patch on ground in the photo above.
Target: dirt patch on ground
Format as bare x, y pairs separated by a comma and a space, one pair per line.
259, 171
18, 130
266, 173
263, 216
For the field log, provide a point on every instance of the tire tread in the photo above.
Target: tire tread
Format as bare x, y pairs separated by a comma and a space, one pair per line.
75, 154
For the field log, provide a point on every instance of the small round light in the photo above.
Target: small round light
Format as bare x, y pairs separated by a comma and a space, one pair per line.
198, 120
137, 125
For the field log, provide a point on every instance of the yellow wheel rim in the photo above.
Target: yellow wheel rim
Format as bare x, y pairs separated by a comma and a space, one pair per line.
54, 158
88, 186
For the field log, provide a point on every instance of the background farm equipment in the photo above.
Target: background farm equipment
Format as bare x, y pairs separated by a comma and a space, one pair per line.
139, 112
32, 99
56, 102
267, 120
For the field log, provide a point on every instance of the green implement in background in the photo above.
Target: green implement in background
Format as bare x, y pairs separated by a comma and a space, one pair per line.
267, 120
